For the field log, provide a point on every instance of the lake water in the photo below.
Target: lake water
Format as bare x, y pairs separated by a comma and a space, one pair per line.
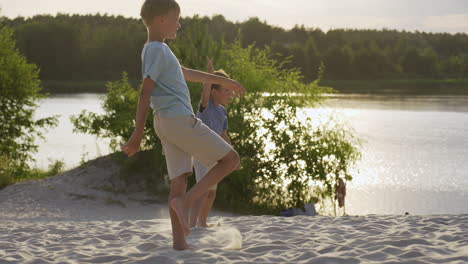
415, 151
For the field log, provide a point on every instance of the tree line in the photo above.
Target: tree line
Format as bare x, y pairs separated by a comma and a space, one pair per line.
99, 47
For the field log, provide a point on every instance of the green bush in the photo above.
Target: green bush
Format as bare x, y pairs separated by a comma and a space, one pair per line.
286, 161
6, 171
56, 167
19, 94
117, 124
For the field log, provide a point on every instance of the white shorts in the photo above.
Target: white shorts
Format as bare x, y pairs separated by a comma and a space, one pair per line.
201, 170
185, 137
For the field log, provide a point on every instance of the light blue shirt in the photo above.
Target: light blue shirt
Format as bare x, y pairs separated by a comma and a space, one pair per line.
215, 117
170, 96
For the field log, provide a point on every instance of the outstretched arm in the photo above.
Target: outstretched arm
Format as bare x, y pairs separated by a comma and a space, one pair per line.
133, 144
199, 76
206, 92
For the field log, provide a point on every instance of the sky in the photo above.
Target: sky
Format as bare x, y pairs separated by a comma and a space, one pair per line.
423, 15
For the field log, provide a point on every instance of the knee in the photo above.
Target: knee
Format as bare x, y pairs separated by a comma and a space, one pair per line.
232, 160
204, 196
211, 194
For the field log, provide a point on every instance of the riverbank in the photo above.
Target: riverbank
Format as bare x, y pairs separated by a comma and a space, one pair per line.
75, 87
88, 215
384, 86
400, 86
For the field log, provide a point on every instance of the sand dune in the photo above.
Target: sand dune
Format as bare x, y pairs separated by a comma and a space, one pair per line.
71, 218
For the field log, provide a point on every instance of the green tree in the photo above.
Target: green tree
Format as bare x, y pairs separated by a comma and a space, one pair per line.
453, 66
338, 62
305, 57
465, 65
421, 63
313, 59
19, 94
53, 46
255, 31
77, 47
371, 62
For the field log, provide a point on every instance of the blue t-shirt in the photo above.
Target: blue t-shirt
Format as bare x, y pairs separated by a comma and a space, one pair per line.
170, 96
215, 117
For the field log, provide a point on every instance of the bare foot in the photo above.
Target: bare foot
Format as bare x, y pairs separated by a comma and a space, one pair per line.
180, 247
178, 205
203, 225
192, 223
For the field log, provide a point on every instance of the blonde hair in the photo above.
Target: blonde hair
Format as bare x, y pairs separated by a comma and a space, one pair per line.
152, 8
221, 73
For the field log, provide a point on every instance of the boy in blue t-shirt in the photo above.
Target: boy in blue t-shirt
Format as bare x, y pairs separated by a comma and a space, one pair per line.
213, 114
182, 135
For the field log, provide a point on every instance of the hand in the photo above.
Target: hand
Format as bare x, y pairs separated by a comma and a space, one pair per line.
132, 146
209, 63
237, 88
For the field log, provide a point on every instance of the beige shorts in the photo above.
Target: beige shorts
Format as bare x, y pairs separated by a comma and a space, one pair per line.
185, 137
201, 170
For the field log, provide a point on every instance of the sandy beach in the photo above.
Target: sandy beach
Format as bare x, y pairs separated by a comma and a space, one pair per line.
81, 216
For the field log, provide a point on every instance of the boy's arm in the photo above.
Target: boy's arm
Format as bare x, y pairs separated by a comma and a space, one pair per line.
225, 136
199, 76
205, 98
133, 144
206, 92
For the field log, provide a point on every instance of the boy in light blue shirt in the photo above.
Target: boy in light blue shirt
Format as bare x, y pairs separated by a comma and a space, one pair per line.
171, 97
182, 135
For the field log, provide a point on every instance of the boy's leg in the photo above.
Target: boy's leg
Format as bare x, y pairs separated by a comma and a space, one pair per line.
179, 166
181, 205
206, 208
193, 137
200, 172
178, 187
195, 211
225, 166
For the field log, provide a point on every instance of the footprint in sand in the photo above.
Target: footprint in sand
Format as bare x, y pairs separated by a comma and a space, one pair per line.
147, 247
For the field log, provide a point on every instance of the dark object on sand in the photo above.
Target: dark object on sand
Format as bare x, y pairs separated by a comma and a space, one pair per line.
341, 192
309, 210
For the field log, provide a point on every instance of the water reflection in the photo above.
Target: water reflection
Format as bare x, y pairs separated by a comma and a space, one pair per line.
414, 156
61, 143
392, 102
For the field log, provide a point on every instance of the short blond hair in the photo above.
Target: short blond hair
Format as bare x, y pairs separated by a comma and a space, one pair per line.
219, 73
152, 8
